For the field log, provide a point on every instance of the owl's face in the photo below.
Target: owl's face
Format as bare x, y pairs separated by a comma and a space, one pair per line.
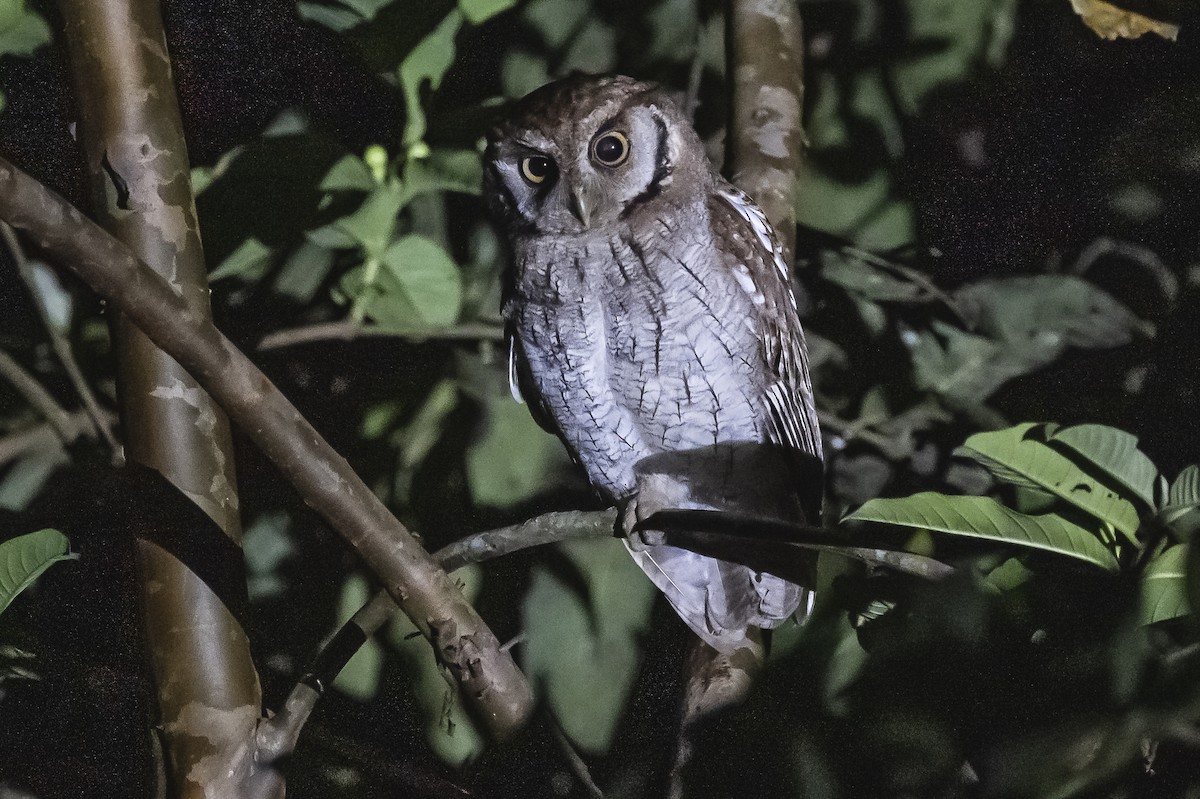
579, 155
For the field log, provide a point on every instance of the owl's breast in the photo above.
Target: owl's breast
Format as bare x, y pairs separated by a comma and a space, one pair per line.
682, 344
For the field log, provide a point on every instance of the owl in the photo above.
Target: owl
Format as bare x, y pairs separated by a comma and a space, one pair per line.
653, 329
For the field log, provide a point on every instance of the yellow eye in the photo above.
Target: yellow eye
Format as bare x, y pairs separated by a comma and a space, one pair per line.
535, 169
611, 149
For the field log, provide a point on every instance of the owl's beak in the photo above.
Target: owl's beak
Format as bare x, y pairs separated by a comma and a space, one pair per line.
582, 205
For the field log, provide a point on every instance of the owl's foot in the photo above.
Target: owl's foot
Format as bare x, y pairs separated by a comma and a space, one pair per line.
655, 492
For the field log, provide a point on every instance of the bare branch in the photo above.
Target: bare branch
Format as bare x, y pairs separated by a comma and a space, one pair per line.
348, 330
491, 682
101, 421
28, 387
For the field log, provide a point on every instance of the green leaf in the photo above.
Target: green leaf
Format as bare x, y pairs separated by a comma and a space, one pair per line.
510, 458
304, 271
556, 20
372, 225
350, 173
477, 11
249, 262
418, 286
427, 62
1164, 586
336, 19
1037, 317
24, 558
427, 277
445, 170
1016, 455
864, 278
360, 677
965, 369
985, 518
21, 30
521, 72
582, 647
1116, 452
1185, 491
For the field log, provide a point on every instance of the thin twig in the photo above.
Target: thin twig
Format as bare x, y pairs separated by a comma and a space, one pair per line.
15, 445
28, 387
59, 342
347, 331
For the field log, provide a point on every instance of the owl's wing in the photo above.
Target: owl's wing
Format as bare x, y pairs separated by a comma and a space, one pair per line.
520, 383
755, 258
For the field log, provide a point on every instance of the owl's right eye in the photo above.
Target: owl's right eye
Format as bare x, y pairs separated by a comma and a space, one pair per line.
535, 169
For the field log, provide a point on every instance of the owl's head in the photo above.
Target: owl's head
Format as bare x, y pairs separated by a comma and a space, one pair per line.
585, 152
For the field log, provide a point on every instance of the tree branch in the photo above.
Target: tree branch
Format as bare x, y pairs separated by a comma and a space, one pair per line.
349, 330
765, 140
492, 685
28, 387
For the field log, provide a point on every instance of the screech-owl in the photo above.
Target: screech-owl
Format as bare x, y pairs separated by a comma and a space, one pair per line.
653, 329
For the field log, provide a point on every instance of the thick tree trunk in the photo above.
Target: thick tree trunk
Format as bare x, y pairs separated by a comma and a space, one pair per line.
129, 126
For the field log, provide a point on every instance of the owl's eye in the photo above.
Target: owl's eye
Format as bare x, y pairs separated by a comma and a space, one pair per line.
611, 149
535, 169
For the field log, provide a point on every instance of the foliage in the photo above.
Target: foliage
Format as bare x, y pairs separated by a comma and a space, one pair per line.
22, 31
978, 247
24, 558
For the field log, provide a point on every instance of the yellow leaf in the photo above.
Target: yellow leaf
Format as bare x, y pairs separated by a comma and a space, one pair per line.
1110, 22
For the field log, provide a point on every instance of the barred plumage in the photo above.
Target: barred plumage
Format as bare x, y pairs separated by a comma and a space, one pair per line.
653, 329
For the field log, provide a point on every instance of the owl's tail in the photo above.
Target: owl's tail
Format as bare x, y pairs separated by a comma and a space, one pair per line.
719, 600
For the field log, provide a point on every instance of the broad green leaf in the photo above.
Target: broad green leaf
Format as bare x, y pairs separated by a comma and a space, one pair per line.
350, 173
267, 544
304, 271
444, 170
24, 558
332, 17
21, 30
593, 49
864, 278
985, 518
556, 20
961, 367
510, 459
1164, 586
367, 9
1117, 453
427, 277
477, 11
360, 676
449, 731
583, 649
372, 225
1185, 491
23, 481
416, 286
1037, 317
249, 262
1181, 513
521, 72
1018, 456
427, 62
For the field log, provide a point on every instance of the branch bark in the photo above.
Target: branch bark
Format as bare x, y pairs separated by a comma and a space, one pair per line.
209, 699
491, 683
765, 142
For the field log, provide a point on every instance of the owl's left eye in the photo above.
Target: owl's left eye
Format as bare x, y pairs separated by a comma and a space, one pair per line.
535, 169
611, 149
